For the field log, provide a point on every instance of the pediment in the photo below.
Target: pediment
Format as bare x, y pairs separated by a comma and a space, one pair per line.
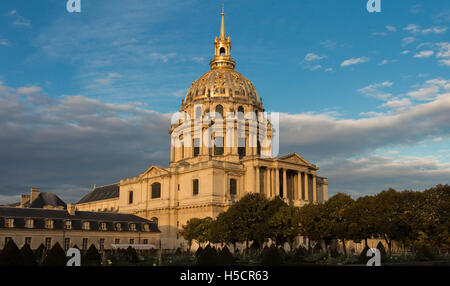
294, 158
155, 171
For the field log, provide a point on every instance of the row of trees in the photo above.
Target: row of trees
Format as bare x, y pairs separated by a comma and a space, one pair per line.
415, 219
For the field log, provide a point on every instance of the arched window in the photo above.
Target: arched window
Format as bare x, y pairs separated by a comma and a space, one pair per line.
156, 190
240, 112
219, 110
130, 197
222, 51
233, 187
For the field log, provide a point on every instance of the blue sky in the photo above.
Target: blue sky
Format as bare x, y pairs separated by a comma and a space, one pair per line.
363, 95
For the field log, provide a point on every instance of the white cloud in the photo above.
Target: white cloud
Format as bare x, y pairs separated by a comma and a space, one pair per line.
354, 61
391, 28
413, 28
329, 70
4, 42
397, 103
313, 57
162, 57
444, 51
408, 40
29, 90
431, 89
405, 52
424, 54
385, 62
18, 20
445, 62
316, 67
374, 90
180, 93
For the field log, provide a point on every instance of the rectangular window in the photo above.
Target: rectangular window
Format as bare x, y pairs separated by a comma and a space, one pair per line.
49, 224
86, 225
84, 243
102, 244
9, 222
68, 225
48, 243
133, 227
195, 187
233, 187
131, 240
196, 147
218, 146
145, 241
103, 226
66, 243
117, 241
29, 223
28, 241
130, 197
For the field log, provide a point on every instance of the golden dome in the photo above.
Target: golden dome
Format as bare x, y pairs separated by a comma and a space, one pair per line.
220, 83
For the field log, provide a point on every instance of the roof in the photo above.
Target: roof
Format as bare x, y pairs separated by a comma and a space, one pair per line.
59, 216
101, 193
46, 199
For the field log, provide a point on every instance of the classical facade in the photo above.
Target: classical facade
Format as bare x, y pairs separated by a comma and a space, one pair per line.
221, 149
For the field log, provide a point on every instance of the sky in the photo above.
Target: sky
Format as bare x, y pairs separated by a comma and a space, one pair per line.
86, 98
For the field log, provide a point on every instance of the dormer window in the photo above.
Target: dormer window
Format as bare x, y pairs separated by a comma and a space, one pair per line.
146, 227
103, 226
132, 226
29, 223
68, 224
49, 224
9, 222
118, 226
86, 225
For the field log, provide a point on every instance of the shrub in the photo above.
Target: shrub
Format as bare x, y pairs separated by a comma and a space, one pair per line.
198, 252
317, 249
225, 257
131, 255
208, 257
39, 252
55, 257
28, 257
10, 255
270, 256
92, 256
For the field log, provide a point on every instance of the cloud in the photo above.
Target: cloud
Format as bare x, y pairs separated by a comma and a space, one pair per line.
18, 20
405, 52
162, 57
29, 90
180, 93
391, 28
424, 54
374, 90
408, 40
431, 89
397, 103
354, 61
385, 62
316, 67
413, 28
313, 57
4, 42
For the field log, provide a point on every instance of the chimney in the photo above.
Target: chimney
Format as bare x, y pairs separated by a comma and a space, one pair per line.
34, 193
71, 209
24, 199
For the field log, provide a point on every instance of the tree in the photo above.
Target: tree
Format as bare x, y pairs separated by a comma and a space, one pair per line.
284, 225
314, 223
361, 218
336, 208
197, 229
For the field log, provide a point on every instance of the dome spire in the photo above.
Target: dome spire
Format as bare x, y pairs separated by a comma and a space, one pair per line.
222, 48
222, 26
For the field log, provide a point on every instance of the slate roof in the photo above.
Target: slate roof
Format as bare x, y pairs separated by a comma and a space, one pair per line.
46, 199
101, 193
60, 216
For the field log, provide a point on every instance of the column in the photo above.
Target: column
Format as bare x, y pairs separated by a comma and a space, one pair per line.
305, 180
314, 188
299, 184
277, 182
284, 184
257, 186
